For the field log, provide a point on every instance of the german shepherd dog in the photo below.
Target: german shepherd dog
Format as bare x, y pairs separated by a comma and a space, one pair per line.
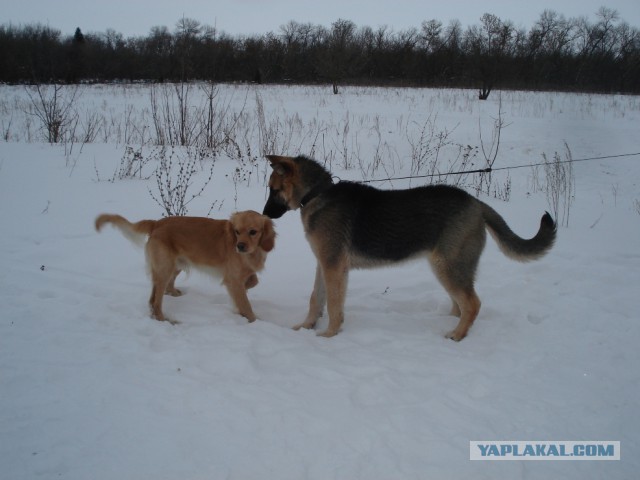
351, 225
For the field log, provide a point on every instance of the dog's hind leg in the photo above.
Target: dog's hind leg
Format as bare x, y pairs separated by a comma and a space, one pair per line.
159, 285
457, 278
336, 279
171, 287
162, 270
469, 306
317, 302
455, 308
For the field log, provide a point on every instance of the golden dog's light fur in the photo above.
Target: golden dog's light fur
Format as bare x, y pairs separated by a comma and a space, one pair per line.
234, 249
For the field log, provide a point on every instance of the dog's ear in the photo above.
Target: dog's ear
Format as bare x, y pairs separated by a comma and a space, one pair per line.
268, 239
232, 219
230, 229
281, 165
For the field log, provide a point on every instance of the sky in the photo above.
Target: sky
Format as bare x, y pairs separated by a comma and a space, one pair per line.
250, 17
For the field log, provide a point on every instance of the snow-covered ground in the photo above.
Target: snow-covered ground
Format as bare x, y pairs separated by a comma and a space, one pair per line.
92, 388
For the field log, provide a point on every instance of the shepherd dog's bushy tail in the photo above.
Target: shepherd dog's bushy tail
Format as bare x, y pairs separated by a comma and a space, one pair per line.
136, 232
512, 245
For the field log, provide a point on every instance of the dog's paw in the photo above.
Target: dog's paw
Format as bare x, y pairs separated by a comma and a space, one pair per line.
307, 325
165, 319
250, 316
455, 335
173, 292
328, 333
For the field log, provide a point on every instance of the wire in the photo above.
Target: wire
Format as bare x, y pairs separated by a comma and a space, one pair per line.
490, 169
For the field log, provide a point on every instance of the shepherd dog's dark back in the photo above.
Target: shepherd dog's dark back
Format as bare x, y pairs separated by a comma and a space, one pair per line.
351, 225
395, 225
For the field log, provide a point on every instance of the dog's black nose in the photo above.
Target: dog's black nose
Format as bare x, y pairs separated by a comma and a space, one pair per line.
242, 247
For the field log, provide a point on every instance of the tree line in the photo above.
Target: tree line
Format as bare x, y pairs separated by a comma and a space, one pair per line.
555, 53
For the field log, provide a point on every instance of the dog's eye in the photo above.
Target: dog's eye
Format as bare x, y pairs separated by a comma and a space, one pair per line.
237, 232
252, 232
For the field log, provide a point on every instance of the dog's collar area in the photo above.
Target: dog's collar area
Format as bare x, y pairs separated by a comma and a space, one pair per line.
313, 193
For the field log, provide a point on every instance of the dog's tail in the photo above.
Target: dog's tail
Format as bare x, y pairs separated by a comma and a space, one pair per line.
512, 245
136, 232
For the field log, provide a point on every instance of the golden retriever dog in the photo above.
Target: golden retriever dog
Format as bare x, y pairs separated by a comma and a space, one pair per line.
234, 250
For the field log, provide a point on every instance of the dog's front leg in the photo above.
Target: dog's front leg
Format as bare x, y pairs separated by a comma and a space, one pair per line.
335, 278
238, 294
317, 301
251, 281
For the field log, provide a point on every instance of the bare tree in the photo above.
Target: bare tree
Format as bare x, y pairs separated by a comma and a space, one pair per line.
54, 107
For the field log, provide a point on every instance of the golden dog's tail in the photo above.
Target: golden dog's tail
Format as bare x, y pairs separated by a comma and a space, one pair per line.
136, 232
512, 245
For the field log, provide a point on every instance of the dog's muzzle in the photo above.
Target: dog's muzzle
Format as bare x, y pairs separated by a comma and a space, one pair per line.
241, 247
275, 207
